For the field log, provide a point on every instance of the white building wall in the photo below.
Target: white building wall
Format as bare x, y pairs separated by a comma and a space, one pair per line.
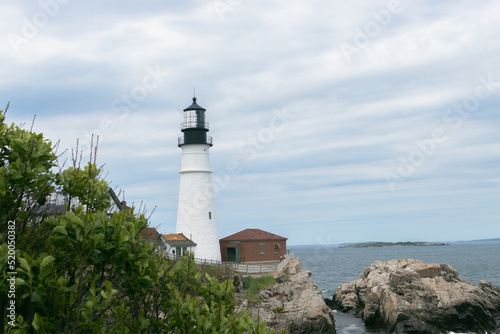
196, 211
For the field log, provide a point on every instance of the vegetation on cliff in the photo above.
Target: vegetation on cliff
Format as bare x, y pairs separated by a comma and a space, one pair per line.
84, 270
252, 285
292, 303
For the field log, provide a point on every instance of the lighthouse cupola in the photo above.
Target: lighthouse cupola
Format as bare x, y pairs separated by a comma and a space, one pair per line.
194, 126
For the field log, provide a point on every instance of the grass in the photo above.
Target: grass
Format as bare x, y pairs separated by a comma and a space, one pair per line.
252, 285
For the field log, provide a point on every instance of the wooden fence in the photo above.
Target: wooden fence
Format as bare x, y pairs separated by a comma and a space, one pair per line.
246, 268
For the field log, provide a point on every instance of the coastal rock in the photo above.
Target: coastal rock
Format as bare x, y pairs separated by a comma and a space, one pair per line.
296, 304
410, 296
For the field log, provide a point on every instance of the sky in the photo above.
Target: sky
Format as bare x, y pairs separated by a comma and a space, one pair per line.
332, 122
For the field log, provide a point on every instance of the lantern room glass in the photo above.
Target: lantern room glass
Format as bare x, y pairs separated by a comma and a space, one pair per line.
194, 119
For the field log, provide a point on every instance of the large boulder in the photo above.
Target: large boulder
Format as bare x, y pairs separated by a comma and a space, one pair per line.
296, 304
410, 296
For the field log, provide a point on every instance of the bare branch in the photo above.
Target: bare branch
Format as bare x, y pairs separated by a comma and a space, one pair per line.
33, 123
151, 214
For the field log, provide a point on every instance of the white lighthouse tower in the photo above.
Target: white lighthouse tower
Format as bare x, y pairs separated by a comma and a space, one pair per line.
196, 210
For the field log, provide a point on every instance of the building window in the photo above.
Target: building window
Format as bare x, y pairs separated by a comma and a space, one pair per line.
276, 248
210, 215
261, 248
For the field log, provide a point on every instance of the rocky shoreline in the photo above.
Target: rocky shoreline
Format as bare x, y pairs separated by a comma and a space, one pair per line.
410, 296
398, 296
294, 303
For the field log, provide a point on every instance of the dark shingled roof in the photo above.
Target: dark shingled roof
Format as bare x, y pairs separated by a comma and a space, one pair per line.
253, 234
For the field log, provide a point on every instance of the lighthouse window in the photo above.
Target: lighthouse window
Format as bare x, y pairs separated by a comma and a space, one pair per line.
190, 118
210, 215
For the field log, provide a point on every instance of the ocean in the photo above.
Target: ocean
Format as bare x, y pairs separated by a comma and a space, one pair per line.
332, 266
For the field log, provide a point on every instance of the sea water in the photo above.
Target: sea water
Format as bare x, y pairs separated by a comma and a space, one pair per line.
332, 266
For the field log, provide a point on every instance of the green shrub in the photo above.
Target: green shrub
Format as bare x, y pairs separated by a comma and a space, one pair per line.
89, 272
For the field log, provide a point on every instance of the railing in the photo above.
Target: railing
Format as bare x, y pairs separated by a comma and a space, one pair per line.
244, 268
285, 261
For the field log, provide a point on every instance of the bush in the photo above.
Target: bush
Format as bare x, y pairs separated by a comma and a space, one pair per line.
85, 271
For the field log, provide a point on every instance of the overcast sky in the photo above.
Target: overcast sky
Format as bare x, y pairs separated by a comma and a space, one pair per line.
332, 121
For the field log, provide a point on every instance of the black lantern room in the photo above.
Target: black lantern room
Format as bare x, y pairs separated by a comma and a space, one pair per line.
194, 126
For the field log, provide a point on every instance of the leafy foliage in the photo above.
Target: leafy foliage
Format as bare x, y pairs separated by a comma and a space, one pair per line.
26, 179
85, 271
85, 186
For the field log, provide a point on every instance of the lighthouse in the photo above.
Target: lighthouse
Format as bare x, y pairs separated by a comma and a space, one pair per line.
196, 210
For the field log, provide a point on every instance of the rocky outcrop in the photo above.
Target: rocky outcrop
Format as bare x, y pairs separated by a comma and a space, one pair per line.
410, 296
296, 304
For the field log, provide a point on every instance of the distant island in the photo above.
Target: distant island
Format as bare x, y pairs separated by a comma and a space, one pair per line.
400, 243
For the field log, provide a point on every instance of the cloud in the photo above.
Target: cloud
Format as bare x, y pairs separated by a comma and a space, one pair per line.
352, 119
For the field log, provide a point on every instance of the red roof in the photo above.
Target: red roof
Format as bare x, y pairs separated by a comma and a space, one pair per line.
253, 234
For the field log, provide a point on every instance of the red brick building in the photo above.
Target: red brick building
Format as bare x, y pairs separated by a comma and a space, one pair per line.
253, 245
